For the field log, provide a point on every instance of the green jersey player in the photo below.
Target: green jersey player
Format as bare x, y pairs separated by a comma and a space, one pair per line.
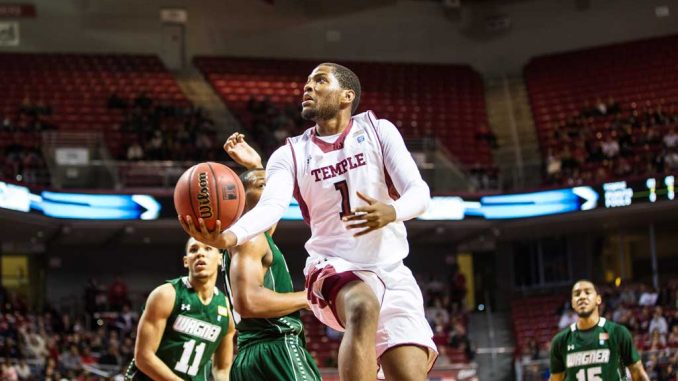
185, 322
593, 348
271, 343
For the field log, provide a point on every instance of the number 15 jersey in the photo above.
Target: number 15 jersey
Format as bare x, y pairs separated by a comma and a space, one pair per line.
596, 354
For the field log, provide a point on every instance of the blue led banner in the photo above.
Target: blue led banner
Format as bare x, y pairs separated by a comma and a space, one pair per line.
448, 208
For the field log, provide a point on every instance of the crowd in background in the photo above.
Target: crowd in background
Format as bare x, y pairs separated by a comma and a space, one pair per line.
59, 345
269, 125
446, 312
21, 157
651, 316
606, 141
157, 130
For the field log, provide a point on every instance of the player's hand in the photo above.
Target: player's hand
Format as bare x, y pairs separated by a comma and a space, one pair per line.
371, 217
242, 153
214, 238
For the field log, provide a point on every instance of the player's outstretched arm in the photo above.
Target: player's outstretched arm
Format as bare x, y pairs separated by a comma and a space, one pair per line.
250, 298
149, 334
242, 153
638, 372
223, 356
557, 376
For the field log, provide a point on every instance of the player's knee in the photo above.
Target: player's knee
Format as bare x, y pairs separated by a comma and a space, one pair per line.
362, 310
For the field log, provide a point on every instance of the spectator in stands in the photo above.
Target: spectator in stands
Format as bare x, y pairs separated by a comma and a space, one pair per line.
567, 318
612, 106
27, 107
437, 314
70, 359
116, 102
673, 319
111, 356
485, 134
671, 159
126, 321
443, 359
459, 339
658, 323
135, 152
647, 296
154, 147
457, 288
23, 371
610, 147
143, 101
7, 125
86, 357
34, 346
117, 294
601, 108
656, 341
8, 372
553, 165
672, 340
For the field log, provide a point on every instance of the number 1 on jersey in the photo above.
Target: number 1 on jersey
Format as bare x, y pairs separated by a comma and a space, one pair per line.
342, 187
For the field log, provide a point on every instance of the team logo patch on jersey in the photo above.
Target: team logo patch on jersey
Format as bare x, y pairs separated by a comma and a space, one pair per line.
602, 337
360, 138
197, 328
223, 311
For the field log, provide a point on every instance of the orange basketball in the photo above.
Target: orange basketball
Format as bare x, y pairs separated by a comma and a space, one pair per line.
210, 191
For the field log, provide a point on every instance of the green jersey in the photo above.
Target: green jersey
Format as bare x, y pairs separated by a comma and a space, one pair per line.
278, 279
192, 334
596, 354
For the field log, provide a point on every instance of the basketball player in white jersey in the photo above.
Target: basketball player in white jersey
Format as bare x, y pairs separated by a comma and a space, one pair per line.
356, 183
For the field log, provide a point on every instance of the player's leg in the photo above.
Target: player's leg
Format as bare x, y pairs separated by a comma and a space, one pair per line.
404, 338
406, 363
357, 308
281, 359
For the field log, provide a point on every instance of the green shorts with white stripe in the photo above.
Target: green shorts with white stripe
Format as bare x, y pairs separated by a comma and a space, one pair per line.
283, 358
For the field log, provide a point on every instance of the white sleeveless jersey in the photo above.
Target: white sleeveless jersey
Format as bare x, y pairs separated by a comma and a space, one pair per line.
328, 175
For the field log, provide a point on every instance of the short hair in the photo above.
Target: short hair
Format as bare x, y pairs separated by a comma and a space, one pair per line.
188, 241
595, 288
348, 80
244, 176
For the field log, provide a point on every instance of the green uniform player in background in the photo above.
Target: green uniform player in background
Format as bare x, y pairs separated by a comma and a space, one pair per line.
271, 343
593, 349
185, 322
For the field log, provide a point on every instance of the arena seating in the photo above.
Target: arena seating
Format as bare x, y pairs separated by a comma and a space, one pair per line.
639, 76
445, 101
535, 318
77, 87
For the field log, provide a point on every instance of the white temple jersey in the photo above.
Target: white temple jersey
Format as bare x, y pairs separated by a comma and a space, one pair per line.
369, 156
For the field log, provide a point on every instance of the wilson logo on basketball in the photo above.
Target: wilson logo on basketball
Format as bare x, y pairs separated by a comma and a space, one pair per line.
229, 192
204, 196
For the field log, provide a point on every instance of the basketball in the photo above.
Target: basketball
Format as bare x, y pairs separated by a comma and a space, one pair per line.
210, 191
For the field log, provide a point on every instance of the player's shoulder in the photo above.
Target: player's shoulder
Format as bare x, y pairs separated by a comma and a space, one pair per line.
379, 124
301, 137
162, 298
615, 328
562, 335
